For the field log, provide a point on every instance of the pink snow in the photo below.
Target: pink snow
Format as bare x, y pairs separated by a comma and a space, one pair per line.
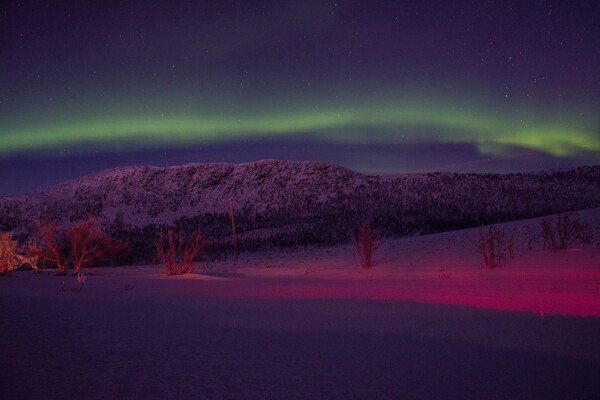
427, 321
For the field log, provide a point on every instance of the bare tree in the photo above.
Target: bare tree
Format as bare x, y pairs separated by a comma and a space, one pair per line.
493, 244
9, 260
178, 254
563, 230
50, 246
88, 243
365, 243
78, 245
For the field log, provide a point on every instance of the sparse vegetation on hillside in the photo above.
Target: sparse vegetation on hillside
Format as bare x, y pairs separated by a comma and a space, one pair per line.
365, 243
563, 230
493, 244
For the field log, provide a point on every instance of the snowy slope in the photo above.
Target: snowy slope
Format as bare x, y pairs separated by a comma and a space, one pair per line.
428, 321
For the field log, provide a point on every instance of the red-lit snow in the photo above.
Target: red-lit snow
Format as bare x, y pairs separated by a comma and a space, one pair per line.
427, 321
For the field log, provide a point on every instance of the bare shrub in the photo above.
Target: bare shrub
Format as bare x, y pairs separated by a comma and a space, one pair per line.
9, 260
493, 244
81, 277
178, 254
563, 230
365, 243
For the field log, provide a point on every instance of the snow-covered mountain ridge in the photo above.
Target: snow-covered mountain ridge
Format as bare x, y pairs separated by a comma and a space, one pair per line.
143, 194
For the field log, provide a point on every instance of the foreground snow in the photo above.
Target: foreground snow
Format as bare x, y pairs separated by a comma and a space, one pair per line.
428, 321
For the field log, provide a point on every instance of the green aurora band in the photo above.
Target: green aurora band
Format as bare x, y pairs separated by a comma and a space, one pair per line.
493, 131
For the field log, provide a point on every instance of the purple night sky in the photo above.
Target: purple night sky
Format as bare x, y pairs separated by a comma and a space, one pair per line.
376, 86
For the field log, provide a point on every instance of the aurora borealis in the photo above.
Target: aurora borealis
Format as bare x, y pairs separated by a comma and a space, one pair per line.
380, 87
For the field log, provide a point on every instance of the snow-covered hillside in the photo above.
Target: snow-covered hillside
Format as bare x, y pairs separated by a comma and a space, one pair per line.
144, 195
293, 204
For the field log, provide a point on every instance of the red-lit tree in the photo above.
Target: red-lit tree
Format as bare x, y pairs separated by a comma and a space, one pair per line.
50, 246
8, 253
89, 243
77, 245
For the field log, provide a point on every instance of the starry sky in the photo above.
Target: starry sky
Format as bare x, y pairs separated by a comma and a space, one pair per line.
377, 86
